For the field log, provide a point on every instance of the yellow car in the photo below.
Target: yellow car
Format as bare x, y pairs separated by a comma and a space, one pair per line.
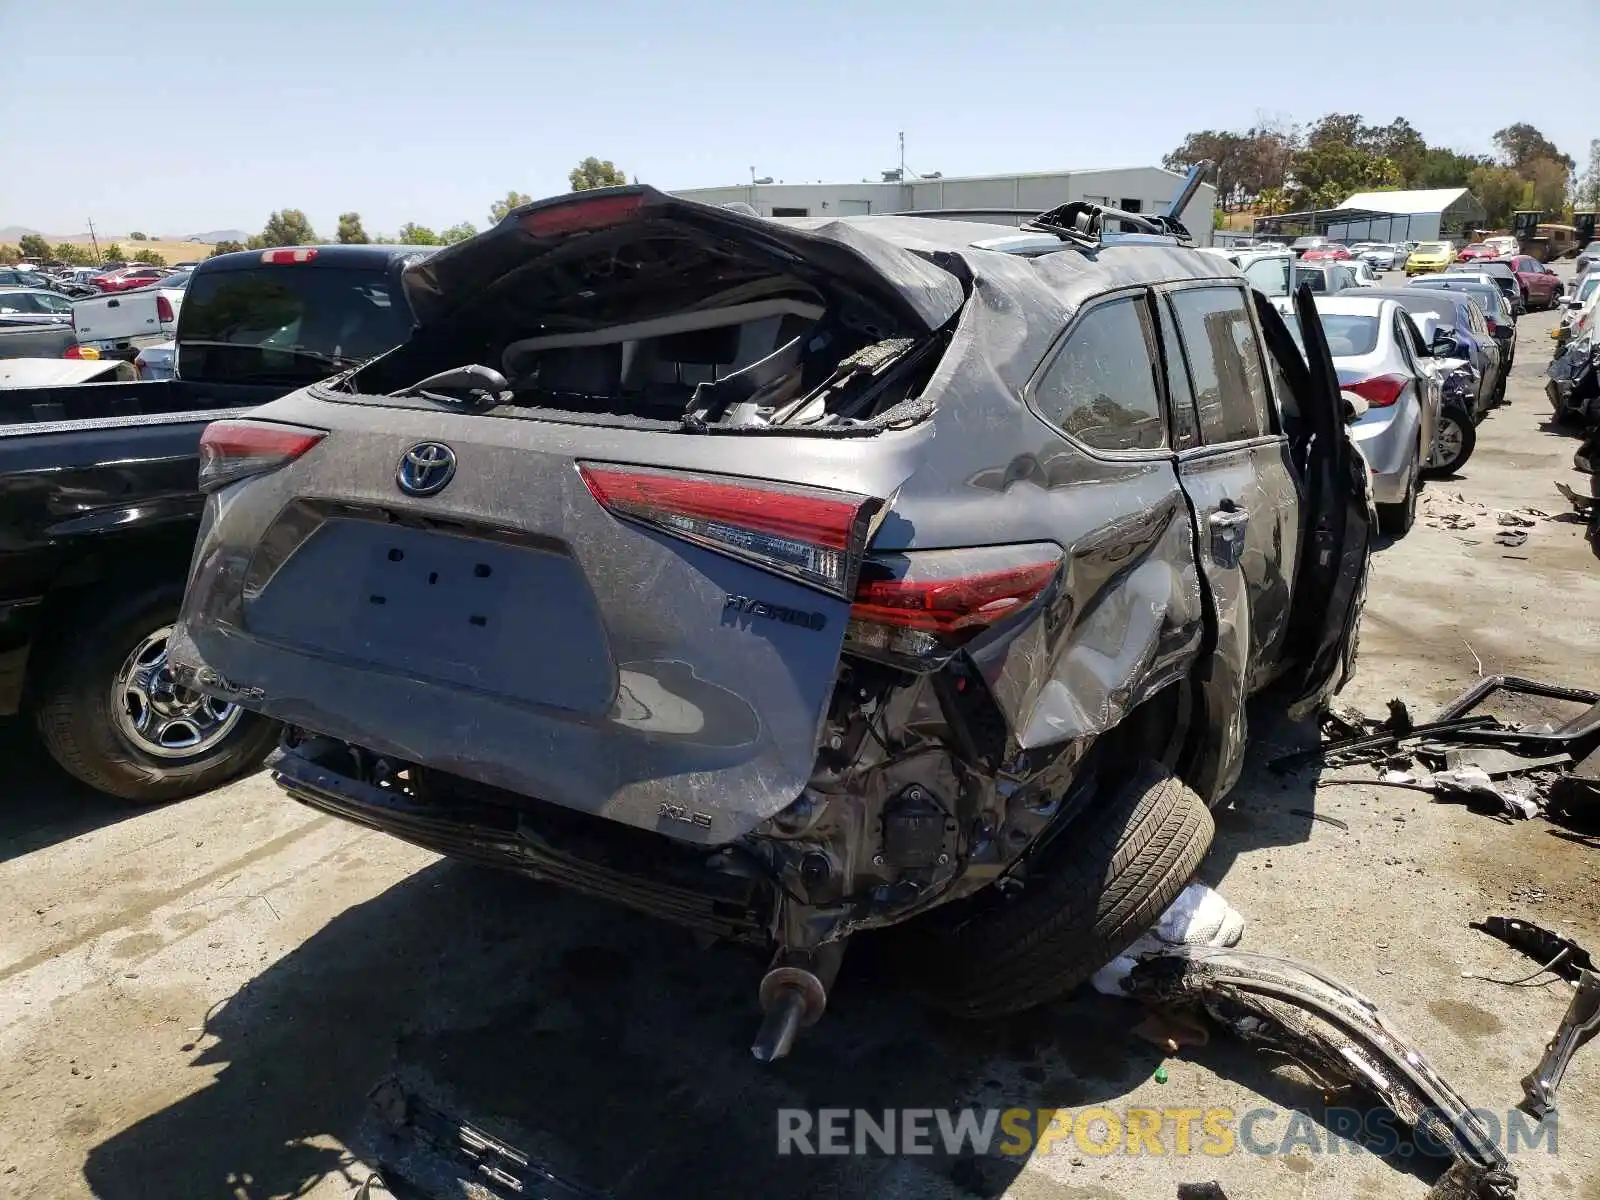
1429, 257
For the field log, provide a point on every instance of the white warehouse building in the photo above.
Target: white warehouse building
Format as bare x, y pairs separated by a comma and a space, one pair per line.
1134, 189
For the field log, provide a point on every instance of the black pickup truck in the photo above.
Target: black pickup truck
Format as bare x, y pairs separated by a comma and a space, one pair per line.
99, 507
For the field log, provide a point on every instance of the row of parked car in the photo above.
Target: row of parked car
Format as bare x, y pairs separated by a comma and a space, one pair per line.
1424, 360
120, 315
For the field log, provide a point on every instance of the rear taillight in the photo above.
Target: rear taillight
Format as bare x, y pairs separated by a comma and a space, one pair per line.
1380, 391
924, 604
235, 450
76, 351
1490, 322
813, 535
296, 254
164, 309
581, 215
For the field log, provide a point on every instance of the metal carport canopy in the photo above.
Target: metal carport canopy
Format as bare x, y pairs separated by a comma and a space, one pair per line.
1319, 219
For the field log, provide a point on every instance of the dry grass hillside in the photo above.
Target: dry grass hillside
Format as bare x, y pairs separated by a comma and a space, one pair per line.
172, 251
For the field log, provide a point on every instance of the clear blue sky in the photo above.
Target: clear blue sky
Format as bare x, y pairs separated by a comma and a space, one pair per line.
209, 114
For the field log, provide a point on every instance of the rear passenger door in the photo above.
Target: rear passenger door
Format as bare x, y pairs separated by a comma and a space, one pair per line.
1237, 474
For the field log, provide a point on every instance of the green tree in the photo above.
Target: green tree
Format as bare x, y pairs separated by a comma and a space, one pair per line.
350, 231
499, 209
412, 234
10, 256
1587, 193
1401, 144
1272, 200
1344, 129
71, 253
288, 227
1547, 180
33, 245
457, 233
1327, 171
228, 247
112, 253
1442, 168
1521, 143
1224, 150
1499, 190
595, 172
138, 237
154, 258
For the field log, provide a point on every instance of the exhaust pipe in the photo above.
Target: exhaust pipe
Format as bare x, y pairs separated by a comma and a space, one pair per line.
794, 993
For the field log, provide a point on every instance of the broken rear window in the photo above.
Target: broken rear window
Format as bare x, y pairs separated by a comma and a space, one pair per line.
670, 325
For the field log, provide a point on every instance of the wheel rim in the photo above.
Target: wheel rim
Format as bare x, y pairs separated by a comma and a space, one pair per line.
1448, 442
157, 715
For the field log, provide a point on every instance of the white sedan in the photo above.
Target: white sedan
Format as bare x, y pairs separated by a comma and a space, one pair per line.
1380, 357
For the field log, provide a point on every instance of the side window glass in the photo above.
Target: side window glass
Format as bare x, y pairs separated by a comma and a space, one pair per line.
1101, 386
1402, 342
1185, 425
1413, 337
1224, 361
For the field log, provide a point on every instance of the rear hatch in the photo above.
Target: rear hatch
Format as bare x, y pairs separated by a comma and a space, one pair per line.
589, 608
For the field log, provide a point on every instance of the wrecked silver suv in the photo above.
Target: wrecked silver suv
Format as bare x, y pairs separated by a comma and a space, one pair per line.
791, 579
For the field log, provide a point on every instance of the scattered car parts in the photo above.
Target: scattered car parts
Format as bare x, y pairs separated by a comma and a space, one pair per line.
1339, 1037
414, 1140
1578, 1026
1473, 754
1557, 952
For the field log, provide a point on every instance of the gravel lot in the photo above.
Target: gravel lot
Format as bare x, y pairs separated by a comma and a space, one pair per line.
195, 1000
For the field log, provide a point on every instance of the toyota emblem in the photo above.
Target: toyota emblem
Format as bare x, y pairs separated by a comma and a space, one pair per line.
426, 468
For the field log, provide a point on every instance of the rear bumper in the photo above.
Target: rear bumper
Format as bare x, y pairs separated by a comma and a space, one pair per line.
586, 854
1387, 446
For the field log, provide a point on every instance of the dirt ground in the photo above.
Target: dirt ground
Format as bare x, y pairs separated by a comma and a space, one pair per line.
195, 1000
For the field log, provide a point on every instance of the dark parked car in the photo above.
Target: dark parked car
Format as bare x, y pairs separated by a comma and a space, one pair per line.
99, 505
1500, 272
1497, 314
20, 277
794, 578
1461, 315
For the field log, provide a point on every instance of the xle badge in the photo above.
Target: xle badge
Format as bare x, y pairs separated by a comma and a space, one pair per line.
677, 812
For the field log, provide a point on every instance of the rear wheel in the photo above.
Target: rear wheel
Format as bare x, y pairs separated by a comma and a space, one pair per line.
1089, 894
111, 714
1499, 396
1396, 520
1453, 441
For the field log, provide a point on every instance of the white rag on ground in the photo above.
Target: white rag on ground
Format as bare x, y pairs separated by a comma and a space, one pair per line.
1198, 917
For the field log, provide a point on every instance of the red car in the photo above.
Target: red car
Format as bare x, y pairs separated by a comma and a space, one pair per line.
128, 279
1476, 250
1327, 254
1540, 286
